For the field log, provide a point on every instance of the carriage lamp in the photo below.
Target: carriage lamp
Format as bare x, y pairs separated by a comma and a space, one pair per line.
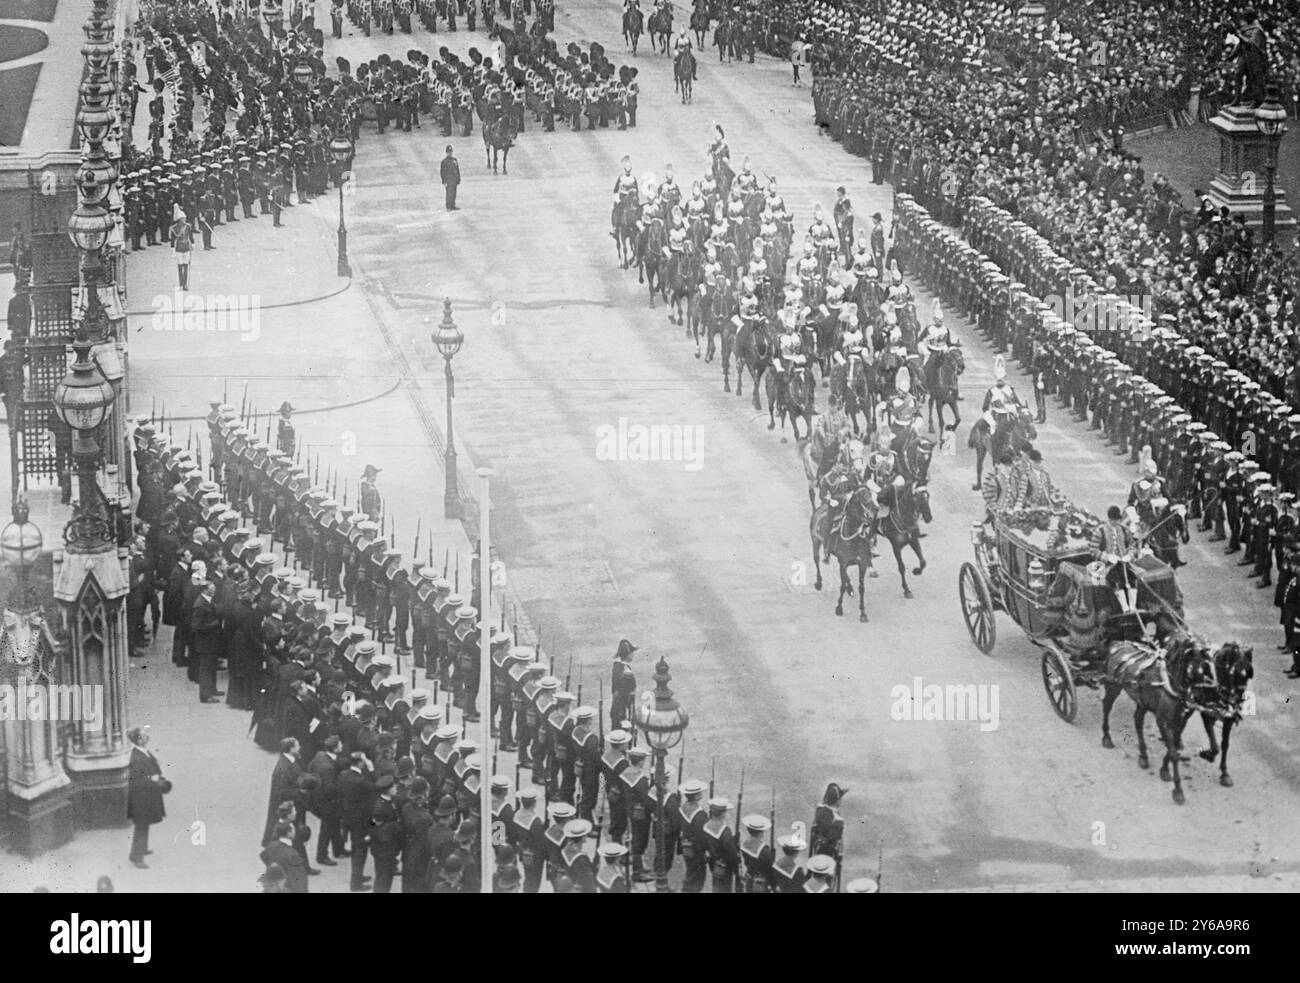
20, 545
1037, 576
977, 533
663, 722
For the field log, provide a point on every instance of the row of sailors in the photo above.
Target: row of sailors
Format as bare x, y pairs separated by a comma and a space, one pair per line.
1221, 483
567, 748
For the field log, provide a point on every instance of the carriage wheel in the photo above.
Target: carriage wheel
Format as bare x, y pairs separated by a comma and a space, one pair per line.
1058, 680
977, 608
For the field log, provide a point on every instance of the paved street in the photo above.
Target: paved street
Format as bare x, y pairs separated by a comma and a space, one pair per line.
707, 566
698, 565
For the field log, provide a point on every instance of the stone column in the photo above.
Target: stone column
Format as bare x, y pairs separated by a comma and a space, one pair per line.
91, 586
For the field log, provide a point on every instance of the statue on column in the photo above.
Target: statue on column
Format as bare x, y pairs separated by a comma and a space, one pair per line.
1249, 47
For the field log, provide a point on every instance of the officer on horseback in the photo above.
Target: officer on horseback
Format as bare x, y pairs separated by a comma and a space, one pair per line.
1001, 391
746, 181
838, 486
670, 192
625, 193
696, 206
676, 235
902, 408
682, 48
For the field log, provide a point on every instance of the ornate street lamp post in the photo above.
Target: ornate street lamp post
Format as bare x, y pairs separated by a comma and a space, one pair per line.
448, 339
20, 545
663, 723
341, 148
1270, 119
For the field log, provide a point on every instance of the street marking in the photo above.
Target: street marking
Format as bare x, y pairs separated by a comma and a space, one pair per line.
610, 574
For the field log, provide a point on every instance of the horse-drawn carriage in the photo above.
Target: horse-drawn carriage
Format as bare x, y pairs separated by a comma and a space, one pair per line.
1037, 565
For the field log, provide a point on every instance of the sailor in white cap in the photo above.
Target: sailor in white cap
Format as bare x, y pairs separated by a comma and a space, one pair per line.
688, 822
611, 878
788, 873
821, 870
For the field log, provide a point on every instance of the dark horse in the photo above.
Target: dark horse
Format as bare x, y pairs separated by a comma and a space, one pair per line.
914, 454
632, 24
1013, 432
650, 257
625, 233
753, 351
1164, 683
850, 543
661, 29
941, 375
907, 504
792, 398
1233, 670
499, 137
853, 384
700, 24
683, 70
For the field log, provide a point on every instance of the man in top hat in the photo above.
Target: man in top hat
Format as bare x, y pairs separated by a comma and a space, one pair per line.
385, 834
357, 794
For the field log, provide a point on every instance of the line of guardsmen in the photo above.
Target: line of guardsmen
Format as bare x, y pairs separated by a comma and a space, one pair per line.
1220, 444
563, 743
382, 15
274, 150
542, 83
